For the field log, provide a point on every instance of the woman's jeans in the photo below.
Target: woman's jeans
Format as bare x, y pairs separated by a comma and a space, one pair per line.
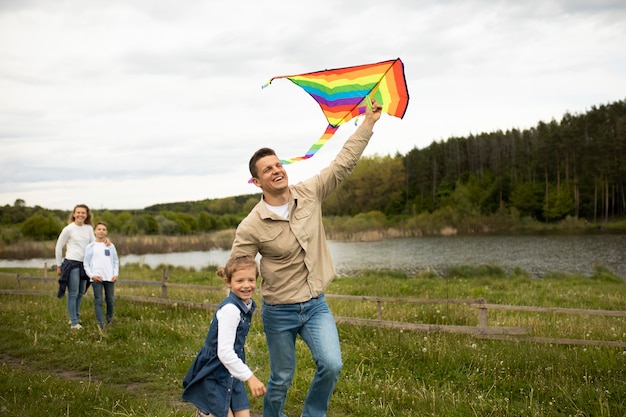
314, 322
109, 297
76, 287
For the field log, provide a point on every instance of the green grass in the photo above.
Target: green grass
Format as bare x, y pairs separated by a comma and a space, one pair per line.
136, 366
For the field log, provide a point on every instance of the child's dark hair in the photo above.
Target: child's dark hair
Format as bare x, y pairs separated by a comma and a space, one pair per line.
235, 264
102, 223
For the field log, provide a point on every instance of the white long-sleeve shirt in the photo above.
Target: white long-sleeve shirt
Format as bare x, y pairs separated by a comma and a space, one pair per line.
228, 318
101, 260
75, 238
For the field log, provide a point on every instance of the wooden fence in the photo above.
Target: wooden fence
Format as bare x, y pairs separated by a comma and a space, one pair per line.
483, 330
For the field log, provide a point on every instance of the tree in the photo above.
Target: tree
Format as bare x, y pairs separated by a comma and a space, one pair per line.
527, 198
376, 184
559, 205
39, 227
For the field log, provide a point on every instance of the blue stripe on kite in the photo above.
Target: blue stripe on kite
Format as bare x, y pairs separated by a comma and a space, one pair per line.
346, 92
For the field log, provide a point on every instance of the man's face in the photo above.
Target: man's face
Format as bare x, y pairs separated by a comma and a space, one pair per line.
272, 176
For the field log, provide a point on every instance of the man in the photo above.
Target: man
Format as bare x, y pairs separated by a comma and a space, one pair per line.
286, 228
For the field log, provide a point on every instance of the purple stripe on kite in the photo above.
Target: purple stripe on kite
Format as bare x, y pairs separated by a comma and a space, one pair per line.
338, 102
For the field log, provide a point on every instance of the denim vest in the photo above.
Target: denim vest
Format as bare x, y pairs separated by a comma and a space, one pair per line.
208, 384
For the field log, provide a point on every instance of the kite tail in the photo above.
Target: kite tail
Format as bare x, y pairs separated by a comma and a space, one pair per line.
328, 133
267, 84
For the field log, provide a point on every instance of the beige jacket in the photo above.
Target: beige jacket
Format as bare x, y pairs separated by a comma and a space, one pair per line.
295, 259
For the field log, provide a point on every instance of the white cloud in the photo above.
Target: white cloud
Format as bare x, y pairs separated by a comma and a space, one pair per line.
124, 104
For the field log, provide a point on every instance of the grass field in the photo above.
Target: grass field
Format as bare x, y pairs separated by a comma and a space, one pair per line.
135, 367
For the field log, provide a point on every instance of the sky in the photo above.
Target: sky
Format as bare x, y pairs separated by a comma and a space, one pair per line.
122, 104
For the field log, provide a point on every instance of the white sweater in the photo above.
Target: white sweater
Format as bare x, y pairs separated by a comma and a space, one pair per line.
75, 238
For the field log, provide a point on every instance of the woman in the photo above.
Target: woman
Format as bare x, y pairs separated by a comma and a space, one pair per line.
74, 237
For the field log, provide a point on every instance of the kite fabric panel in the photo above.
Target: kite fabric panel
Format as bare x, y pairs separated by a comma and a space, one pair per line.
340, 93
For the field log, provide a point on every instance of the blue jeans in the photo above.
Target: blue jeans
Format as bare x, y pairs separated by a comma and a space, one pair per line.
76, 287
314, 322
109, 298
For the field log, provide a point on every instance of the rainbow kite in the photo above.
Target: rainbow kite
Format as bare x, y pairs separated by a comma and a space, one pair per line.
340, 91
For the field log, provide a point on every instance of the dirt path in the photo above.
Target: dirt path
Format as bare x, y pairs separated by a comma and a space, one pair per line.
71, 375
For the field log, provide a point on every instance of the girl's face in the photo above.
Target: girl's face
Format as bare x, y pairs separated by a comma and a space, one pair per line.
243, 283
80, 214
100, 231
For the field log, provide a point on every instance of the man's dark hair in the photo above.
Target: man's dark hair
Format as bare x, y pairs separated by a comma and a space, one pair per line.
261, 153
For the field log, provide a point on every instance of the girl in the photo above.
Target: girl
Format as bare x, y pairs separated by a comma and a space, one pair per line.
214, 382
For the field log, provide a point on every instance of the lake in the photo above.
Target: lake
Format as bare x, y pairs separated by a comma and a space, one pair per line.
536, 254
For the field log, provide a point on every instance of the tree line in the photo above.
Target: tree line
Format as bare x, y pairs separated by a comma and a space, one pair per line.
572, 167
575, 167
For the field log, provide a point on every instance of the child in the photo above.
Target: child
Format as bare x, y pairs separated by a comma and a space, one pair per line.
102, 266
214, 382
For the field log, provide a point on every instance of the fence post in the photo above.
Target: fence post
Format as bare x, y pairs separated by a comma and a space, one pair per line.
19, 284
379, 304
482, 313
45, 269
164, 284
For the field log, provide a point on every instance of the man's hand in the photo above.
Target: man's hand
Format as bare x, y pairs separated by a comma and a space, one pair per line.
372, 114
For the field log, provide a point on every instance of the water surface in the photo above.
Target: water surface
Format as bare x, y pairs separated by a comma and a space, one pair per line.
534, 254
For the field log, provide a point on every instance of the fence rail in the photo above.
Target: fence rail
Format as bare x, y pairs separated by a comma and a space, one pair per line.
483, 330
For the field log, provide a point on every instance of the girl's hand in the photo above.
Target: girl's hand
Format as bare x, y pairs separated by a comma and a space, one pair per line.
256, 387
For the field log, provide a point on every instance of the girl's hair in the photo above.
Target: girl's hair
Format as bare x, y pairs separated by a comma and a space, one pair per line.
235, 264
88, 219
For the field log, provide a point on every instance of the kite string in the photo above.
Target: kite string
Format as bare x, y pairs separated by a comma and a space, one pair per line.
368, 101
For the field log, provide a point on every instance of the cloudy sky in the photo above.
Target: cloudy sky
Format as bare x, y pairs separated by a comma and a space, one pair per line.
122, 104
